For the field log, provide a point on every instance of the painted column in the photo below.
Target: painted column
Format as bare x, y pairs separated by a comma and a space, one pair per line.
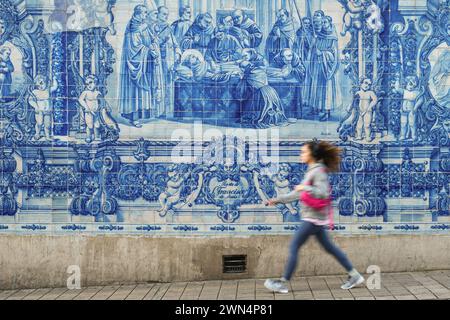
59, 71
315, 5
80, 52
375, 56
95, 53
200, 6
361, 62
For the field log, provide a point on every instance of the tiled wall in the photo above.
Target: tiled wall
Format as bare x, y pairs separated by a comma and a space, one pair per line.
116, 118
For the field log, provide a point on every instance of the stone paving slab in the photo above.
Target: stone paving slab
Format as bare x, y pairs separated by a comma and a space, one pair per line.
37, 294
19, 295
53, 294
88, 293
428, 285
140, 292
122, 293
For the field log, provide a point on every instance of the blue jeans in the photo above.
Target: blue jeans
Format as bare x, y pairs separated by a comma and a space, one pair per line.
307, 229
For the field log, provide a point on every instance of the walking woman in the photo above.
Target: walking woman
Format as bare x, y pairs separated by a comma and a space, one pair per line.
315, 195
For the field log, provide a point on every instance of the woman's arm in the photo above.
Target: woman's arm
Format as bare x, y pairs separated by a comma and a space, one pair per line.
285, 198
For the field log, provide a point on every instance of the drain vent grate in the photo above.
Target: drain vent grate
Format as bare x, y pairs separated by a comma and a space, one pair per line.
235, 264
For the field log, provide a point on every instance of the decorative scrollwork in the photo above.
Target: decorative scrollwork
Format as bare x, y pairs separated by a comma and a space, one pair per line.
8, 188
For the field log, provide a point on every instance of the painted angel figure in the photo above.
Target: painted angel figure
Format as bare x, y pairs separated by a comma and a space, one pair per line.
274, 180
358, 121
282, 185
367, 102
40, 100
89, 102
353, 16
172, 197
95, 112
412, 96
103, 14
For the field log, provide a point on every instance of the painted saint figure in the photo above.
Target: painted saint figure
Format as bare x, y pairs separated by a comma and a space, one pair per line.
287, 65
262, 105
224, 47
199, 34
169, 48
282, 35
170, 56
182, 25
308, 94
194, 67
6, 70
246, 30
322, 68
141, 83
304, 39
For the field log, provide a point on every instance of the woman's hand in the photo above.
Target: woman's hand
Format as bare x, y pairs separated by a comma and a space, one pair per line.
271, 202
299, 188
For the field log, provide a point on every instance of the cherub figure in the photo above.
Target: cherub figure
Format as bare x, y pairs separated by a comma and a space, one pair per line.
367, 102
360, 112
40, 100
103, 15
412, 96
282, 185
90, 104
171, 196
353, 17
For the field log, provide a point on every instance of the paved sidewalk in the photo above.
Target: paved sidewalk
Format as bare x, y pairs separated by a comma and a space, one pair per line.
394, 286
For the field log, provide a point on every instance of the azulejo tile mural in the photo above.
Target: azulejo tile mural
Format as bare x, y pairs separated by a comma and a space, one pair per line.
182, 117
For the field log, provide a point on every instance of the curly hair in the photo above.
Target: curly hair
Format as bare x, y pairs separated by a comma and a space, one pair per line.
326, 152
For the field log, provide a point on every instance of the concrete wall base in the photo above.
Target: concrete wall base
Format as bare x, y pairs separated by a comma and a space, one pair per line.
41, 261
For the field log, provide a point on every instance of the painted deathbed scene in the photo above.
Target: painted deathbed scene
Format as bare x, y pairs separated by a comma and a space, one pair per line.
109, 80
141, 68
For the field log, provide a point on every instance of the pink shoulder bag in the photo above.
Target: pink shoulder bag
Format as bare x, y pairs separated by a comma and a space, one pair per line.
316, 203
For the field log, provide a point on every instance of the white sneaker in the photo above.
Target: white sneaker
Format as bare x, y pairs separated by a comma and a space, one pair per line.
353, 281
276, 286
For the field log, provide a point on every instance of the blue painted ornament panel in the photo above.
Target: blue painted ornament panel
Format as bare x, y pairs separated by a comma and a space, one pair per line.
182, 117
